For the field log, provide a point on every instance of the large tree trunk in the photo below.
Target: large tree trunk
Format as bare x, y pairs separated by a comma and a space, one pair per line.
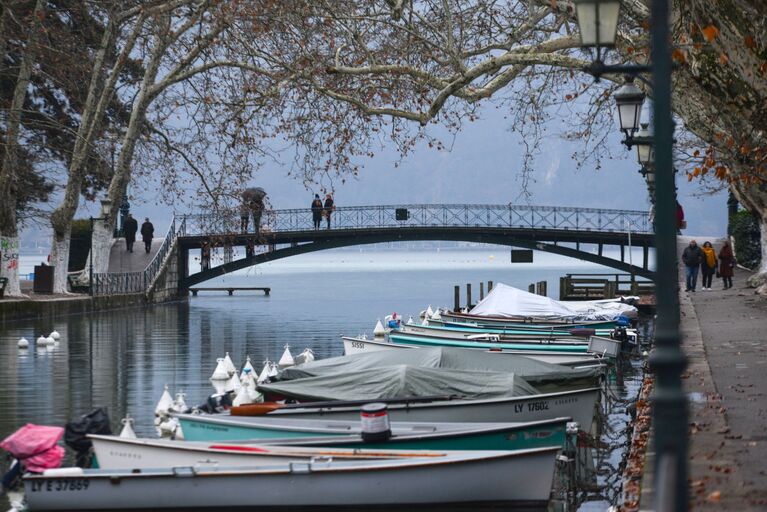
93, 113
122, 173
9, 230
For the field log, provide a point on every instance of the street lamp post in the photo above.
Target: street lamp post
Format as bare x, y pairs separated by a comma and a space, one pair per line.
90, 255
596, 19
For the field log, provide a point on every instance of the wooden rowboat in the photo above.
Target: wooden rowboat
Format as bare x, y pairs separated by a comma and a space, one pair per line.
480, 477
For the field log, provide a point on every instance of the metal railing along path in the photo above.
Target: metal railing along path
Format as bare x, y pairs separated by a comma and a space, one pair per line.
224, 222
121, 283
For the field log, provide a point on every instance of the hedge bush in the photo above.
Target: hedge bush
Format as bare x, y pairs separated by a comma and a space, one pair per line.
80, 244
748, 245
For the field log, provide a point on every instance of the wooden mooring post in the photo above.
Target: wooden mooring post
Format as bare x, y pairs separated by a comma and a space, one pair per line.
457, 298
489, 286
468, 295
481, 290
542, 288
531, 288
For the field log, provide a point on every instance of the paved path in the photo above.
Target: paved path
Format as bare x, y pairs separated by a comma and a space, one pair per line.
120, 260
723, 336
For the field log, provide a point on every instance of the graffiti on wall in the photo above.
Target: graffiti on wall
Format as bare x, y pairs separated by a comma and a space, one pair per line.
9, 253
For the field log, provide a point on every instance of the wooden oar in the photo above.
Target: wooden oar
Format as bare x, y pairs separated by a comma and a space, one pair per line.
260, 409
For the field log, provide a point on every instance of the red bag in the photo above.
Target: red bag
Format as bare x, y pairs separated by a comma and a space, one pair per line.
31, 440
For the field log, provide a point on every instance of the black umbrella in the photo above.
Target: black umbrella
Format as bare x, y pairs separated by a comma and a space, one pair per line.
253, 194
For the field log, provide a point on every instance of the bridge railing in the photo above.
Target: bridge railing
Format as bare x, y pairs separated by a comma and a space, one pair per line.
430, 215
121, 283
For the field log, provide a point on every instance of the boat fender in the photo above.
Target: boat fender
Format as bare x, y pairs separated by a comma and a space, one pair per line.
375, 422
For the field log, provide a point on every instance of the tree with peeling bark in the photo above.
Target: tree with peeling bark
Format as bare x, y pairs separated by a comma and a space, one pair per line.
358, 68
179, 44
9, 233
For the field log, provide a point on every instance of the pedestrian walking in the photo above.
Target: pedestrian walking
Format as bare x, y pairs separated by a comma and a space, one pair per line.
244, 216
317, 211
708, 265
692, 257
726, 265
329, 208
130, 227
147, 234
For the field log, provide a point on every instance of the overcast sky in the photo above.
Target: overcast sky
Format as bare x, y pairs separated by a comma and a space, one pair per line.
481, 167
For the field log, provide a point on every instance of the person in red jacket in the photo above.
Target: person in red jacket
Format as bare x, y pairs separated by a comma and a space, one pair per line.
680, 223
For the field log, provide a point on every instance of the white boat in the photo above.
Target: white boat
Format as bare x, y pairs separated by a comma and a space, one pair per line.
113, 452
361, 345
480, 477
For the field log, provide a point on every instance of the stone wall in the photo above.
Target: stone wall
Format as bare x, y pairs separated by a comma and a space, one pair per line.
12, 310
165, 286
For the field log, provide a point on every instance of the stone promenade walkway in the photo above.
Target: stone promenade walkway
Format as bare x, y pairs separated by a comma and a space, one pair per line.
725, 338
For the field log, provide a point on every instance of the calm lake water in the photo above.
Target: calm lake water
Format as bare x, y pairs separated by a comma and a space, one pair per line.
122, 359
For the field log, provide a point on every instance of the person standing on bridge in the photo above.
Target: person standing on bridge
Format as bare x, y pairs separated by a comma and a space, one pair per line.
130, 226
317, 211
147, 234
708, 265
244, 215
329, 208
692, 258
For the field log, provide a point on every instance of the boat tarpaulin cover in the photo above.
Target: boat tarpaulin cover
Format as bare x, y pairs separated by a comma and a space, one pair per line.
506, 301
402, 381
537, 373
35, 446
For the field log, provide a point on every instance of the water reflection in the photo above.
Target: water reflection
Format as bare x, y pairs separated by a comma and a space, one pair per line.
121, 359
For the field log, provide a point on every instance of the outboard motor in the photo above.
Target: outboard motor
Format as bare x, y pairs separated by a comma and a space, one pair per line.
216, 403
76, 432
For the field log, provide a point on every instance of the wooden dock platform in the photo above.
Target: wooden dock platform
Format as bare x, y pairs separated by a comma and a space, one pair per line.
230, 289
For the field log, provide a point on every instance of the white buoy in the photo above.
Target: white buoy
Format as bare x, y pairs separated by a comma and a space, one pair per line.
287, 358
50, 341
127, 431
42, 341
436, 316
379, 330
244, 396
230, 368
179, 405
233, 385
220, 372
247, 366
429, 312
410, 320
424, 322
55, 335
164, 404
264, 376
219, 385
23, 343
307, 356
273, 370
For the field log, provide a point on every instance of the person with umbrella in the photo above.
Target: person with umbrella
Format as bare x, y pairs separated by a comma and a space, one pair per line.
253, 199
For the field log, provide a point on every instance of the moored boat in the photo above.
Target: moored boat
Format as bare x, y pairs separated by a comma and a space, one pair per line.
361, 345
459, 478
577, 404
405, 435
113, 452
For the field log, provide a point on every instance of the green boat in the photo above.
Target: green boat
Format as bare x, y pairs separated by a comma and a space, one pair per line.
346, 434
423, 340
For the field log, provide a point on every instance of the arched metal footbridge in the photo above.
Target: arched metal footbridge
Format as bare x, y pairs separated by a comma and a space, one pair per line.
285, 233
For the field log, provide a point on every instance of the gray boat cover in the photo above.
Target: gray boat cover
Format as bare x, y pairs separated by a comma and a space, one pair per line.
402, 381
537, 373
506, 301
